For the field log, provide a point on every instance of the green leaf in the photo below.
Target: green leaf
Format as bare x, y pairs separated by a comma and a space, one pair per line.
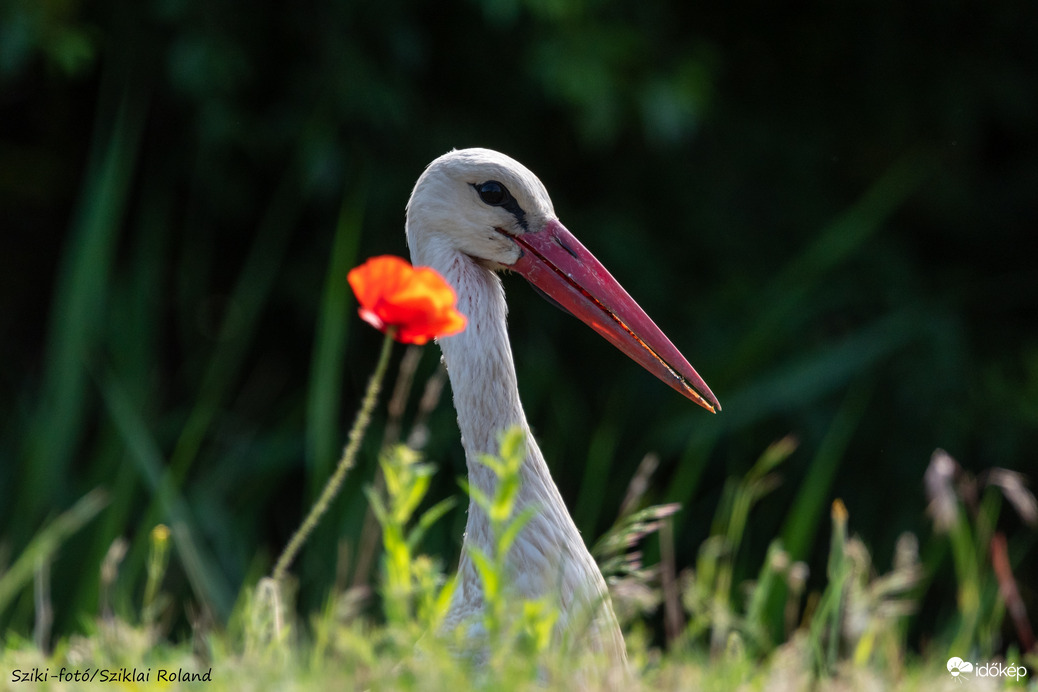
488, 573
442, 604
408, 501
477, 495
428, 518
511, 532
377, 506
513, 447
504, 498
539, 617
493, 463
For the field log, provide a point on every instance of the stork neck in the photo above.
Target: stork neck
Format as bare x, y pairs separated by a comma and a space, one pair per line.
486, 396
479, 362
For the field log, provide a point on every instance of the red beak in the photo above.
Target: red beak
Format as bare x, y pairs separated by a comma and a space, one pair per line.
554, 261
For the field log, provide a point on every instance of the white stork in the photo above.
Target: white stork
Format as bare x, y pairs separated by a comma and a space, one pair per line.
473, 213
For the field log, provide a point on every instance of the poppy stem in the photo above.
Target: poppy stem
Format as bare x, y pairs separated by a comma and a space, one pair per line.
331, 488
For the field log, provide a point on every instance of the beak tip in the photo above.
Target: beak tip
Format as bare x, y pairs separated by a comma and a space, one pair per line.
701, 394
710, 403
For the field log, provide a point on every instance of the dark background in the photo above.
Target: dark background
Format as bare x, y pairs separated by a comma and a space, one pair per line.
829, 209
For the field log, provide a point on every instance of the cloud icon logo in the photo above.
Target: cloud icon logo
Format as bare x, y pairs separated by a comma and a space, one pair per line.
956, 666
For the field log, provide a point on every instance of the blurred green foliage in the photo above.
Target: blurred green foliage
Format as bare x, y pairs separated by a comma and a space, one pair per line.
826, 208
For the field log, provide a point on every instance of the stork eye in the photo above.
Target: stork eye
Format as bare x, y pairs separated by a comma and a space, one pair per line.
493, 193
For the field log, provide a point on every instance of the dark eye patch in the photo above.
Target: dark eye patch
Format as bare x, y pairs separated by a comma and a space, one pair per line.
495, 194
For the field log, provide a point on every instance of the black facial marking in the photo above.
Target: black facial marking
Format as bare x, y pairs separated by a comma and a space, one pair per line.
495, 194
567, 248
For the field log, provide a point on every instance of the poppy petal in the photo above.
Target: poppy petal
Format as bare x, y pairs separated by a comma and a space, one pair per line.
416, 302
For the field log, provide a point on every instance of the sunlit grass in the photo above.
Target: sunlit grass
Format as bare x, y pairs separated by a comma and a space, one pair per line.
847, 634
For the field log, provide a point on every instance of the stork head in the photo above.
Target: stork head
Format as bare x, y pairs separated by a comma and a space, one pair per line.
491, 208
471, 201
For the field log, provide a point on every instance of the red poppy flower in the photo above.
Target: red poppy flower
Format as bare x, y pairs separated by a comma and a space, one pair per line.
417, 302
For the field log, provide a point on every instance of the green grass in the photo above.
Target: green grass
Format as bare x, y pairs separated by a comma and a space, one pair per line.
847, 634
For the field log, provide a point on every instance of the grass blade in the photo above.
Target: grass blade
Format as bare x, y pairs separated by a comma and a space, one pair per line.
47, 542
198, 564
79, 309
805, 514
323, 427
